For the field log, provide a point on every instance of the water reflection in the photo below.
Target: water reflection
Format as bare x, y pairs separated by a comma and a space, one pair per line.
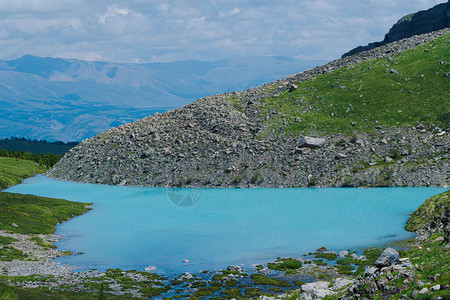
185, 197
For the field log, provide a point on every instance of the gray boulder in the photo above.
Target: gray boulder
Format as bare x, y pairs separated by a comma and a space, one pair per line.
310, 142
389, 257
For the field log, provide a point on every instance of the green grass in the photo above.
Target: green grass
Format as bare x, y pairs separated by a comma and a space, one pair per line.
34, 214
264, 280
39, 241
329, 256
427, 211
231, 294
206, 291
9, 253
16, 293
253, 292
13, 171
4, 240
285, 264
372, 95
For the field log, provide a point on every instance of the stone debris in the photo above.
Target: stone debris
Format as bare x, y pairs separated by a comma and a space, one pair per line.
195, 145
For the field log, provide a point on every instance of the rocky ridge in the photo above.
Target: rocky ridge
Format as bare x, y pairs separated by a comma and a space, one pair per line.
222, 141
435, 18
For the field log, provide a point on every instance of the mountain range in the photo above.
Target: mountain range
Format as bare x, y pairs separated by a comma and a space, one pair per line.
68, 99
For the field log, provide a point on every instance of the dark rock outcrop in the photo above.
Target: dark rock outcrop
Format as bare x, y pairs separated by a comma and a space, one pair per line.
425, 21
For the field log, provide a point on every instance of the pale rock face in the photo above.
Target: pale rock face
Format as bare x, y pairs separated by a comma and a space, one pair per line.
315, 290
310, 142
389, 257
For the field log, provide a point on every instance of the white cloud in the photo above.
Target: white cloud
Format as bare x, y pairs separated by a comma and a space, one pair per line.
230, 13
112, 12
154, 30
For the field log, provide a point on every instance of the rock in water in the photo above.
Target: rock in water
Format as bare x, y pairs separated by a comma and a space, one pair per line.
234, 268
150, 269
310, 142
389, 257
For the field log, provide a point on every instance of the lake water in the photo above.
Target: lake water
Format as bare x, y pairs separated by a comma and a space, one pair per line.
135, 227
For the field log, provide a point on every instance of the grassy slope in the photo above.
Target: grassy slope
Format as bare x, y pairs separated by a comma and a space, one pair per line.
13, 171
34, 214
427, 211
372, 95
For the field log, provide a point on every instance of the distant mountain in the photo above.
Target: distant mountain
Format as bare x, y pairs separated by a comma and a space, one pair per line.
68, 99
435, 18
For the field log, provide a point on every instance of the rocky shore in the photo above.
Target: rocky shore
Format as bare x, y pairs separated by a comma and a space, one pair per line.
419, 269
225, 141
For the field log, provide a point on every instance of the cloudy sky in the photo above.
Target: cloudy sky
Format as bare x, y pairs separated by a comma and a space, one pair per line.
161, 31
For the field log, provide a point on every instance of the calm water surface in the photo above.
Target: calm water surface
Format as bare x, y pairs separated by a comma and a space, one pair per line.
133, 227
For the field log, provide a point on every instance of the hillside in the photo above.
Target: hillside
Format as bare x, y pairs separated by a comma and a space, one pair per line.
67, 99
383, 115
425, 21
12, 171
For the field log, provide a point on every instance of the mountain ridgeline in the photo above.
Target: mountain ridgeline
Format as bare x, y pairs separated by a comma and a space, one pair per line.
379, 118
68, 99
435, 18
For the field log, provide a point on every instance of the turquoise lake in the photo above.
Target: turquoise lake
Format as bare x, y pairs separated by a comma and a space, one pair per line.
135, 227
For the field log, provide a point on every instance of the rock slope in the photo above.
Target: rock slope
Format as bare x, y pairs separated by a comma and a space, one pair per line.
435, 18
223, 141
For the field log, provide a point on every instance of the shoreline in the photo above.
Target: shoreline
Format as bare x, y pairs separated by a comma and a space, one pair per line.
313, 269
311, 274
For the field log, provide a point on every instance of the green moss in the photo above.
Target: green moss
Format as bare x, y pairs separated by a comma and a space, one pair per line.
264, 280
299, 283
253, 292
285, 264
345, 261
34, 214
198, 284
326, 255
153, 291
206, 291
320, 262
276, 290
427, 211
372, 255
232, 294
230, 283
345, 269
16, 293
